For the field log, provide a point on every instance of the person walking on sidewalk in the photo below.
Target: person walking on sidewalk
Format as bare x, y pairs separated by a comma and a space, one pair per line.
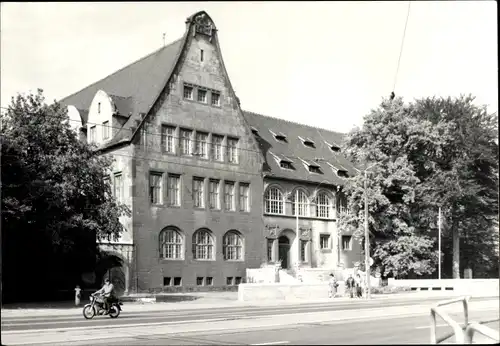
332, 286
359, 284
349, 285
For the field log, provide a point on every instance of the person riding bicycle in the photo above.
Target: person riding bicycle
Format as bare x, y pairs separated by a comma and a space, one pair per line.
106, 291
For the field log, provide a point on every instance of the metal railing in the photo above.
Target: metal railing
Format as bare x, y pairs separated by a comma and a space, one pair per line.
461, 337
457, 328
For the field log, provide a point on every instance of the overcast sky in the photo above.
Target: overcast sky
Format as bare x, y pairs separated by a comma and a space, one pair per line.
321, 63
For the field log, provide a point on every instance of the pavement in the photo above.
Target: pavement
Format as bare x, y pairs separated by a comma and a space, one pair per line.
338, 321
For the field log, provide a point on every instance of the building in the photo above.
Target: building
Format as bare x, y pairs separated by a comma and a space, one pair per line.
211, 187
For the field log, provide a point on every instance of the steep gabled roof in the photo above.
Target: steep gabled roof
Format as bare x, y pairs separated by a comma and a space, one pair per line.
296, 151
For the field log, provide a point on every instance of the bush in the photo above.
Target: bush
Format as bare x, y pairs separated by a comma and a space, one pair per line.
389, 290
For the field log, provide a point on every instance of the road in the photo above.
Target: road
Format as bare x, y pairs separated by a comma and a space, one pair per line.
358, 322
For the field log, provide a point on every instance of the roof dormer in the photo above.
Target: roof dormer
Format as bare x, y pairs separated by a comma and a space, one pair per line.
279, 136
312, 167
340, 170
283, 161
308, 142
333, 146
254, 131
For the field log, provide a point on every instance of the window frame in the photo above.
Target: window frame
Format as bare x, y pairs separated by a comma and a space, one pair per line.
349, 237
177, 189
232, 151
159, 188
200, 91
105, 129
328, 207
278, 202
233, 197
199, 144
185, 141
186, 87
209, 246
212, 93
167, 138
177, 243
228, 247
244, 207
329, 241
199, 194
304, 204
120, 187
215, 192
217, 148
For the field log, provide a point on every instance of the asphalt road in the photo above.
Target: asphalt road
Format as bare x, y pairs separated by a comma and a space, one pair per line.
357, 321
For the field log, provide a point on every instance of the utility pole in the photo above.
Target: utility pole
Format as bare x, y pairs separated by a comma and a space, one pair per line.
297, 235
367, 241
439, 244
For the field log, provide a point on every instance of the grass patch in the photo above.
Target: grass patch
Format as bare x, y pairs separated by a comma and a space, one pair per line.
389, 290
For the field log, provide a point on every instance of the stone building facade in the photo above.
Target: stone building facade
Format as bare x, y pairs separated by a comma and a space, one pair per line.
198, 172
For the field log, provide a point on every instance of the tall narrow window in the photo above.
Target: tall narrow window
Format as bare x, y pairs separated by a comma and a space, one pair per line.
201, 145
346, 242
202, 95
274, 201
118, 187
324, 242
215, 99
98, 107
203, 245
92, 133
232, 150
217, 147
198, 192
188, 92
303, 251
201, 54
233, 246
301, 205
214, 186
173, 190
244, 197
168, 138
270, 245
323, 205
186, 141
155, 187
105, 130
229, 195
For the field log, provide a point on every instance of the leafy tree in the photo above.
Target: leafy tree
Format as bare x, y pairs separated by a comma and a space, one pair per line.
55, 202
434, 152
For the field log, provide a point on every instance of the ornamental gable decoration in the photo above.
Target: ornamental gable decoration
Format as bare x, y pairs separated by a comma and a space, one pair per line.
203, 24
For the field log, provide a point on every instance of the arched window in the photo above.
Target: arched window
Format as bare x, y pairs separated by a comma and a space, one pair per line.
171, 245
302, 205
323, 205
203, 245
233, 246
274, 201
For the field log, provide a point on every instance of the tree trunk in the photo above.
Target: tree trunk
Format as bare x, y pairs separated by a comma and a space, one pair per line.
456, 250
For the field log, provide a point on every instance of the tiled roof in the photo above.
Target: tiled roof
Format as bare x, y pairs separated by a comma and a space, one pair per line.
294, 149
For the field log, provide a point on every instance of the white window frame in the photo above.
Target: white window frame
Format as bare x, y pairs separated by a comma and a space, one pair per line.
233, 246
199, 192
274, 201
214, 194
186, 142
303, 254
93, 133
323, 205
217, 145
349, 245
303, 205
168, 137
244, 197
229, 205
232, 150
174, 190
171, 244
203, 245
105, 129
218, 97
118, 186
158, 188
202, 91
188, 96
201, 144
328, 241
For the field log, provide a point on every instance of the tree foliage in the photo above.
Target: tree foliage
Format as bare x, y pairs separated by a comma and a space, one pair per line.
431, 152
55, 201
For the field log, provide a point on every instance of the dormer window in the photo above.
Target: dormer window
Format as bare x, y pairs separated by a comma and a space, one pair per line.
254, 131
308, 142
286, 165
333, 147
283, 161
313, 168
280, 136
340, 170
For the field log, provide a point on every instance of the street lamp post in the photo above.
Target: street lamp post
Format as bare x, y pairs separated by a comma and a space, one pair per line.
367, 241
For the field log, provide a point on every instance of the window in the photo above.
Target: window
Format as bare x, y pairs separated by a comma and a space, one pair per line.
201, 145
254, 131
232, 150
233, 246
346, 242
203, 245
286, 165
155, 187
323, 205
209, 281
202, 95
201, 54
174, 190
198, 192
302, 205
274, 201
229, 280
315, 169
215, 99
171, 244
168, 138
199, 281
167, 281
92, 134
105, 130
186, 141
107, 183
217, 147
177, 281
244, 197
343, 173
335, 148
229, 195
303, 251
214, 198
118, 186
188, 92
99, 107
237, 280
280, 136
324, 241
307, 142
270, 245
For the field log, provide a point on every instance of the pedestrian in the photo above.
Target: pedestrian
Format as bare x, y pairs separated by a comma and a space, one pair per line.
332, 286
349, 285
358, 283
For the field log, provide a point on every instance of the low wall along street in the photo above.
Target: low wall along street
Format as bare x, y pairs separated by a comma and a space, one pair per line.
475, 287
278, 291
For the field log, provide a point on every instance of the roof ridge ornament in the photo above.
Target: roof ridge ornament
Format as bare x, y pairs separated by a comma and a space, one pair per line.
203, 24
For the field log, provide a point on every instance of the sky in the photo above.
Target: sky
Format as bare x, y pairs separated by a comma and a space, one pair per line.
325, 64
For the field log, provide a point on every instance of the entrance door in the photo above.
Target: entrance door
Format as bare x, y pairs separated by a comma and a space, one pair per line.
283, 250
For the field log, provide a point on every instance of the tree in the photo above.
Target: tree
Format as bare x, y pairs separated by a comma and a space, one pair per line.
55, 201
436, 153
